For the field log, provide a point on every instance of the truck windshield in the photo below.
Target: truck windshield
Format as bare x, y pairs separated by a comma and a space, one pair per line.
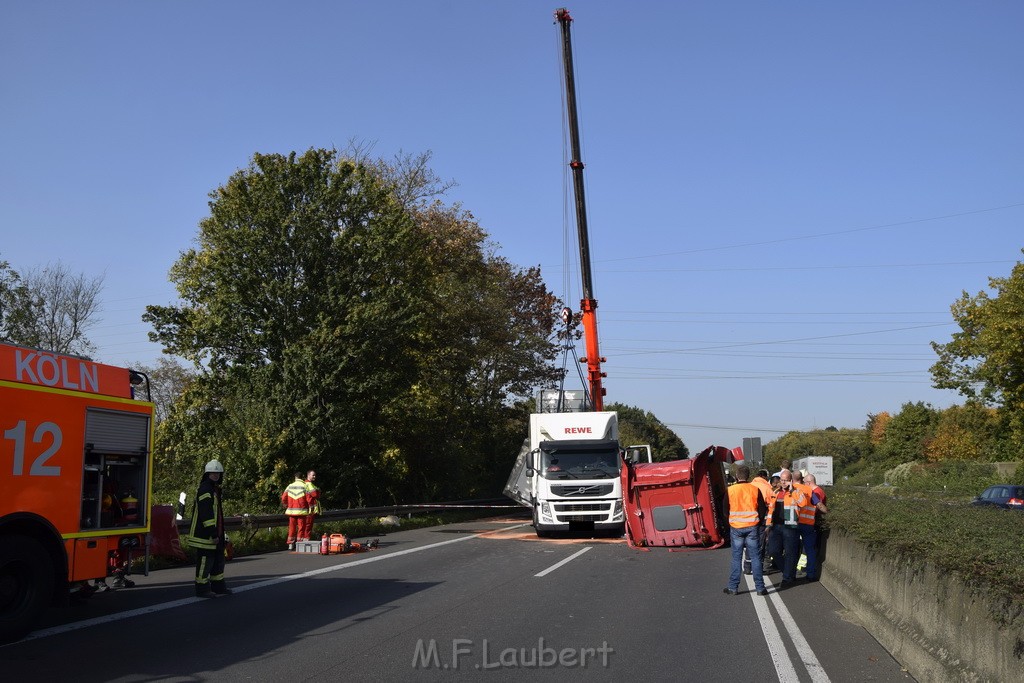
580, 465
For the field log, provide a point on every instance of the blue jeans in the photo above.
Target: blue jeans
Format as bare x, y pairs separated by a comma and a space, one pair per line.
764, 553
790, 552
809, 537
749, 538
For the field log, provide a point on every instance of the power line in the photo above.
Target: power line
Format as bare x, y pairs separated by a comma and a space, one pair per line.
821, 234
734, 429
763, 312
707, 341
735, 269
746, 378
798, 339
770, 322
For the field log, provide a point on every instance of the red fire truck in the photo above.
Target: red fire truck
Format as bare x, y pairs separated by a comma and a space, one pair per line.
75, 478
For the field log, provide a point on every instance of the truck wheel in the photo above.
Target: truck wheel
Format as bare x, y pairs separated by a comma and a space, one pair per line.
26, 585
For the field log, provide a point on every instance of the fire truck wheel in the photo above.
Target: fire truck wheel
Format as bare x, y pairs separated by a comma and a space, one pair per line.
26, 585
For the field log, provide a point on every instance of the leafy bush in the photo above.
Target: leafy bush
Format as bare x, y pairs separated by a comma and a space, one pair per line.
861, 473
902, 473
955, 478
979, 545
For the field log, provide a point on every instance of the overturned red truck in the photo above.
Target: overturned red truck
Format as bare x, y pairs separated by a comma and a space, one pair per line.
681, 503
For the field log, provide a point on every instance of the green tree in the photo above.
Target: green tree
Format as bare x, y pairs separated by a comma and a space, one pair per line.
15, 304
985, 359
846, 446
485, 344
637, 427
339, 326
301, 305
909, 433
968, 432
876, 426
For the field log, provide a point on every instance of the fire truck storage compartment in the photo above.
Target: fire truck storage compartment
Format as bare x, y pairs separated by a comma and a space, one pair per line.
90, 557
115, 475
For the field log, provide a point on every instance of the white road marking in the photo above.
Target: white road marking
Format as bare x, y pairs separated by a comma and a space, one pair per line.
88, 623
803, 648
776, 648
565, 561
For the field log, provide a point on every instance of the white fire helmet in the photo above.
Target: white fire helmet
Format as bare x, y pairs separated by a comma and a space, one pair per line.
214, 466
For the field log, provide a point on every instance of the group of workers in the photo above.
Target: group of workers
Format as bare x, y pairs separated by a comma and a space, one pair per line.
206, 534
301, 501
772, 521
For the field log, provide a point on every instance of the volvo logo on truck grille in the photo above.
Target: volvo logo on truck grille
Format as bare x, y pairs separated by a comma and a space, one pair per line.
593, 490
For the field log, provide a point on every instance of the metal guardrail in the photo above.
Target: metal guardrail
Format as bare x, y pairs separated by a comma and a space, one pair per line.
252, 522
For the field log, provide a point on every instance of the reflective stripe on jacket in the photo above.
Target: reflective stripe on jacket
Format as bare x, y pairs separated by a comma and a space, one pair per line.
805, 503
207, 527
746, 506
294, 499
785, 502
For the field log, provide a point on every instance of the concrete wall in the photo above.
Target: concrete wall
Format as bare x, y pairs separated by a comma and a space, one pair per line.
936, 627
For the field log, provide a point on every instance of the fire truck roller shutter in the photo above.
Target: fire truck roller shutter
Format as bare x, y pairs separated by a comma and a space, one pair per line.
123, 433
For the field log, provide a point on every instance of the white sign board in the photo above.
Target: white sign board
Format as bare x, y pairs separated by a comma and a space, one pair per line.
818, 465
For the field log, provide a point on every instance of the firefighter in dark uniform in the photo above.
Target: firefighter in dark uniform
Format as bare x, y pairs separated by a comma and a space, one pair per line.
207, 533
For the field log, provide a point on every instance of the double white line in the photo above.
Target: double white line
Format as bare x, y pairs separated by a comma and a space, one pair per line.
783, 664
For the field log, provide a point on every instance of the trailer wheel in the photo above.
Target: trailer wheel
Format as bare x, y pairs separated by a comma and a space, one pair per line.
26, 585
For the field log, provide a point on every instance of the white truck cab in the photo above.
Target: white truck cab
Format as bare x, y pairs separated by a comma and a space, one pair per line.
568, 472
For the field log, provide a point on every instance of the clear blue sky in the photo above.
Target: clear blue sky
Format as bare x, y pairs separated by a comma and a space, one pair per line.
784, 198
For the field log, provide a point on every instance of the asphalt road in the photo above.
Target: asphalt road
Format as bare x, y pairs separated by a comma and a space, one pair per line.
483, 600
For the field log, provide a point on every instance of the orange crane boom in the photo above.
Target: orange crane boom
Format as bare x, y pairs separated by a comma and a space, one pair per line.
588, 304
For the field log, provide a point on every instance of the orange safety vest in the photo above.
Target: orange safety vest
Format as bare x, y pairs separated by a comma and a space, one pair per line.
805, 505
768, 495
789, 500
743, 505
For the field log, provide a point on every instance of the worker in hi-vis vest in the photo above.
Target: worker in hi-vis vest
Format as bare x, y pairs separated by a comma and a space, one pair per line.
313, 500
808, 506
206, 534
761, 482
747, 511
296, 506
